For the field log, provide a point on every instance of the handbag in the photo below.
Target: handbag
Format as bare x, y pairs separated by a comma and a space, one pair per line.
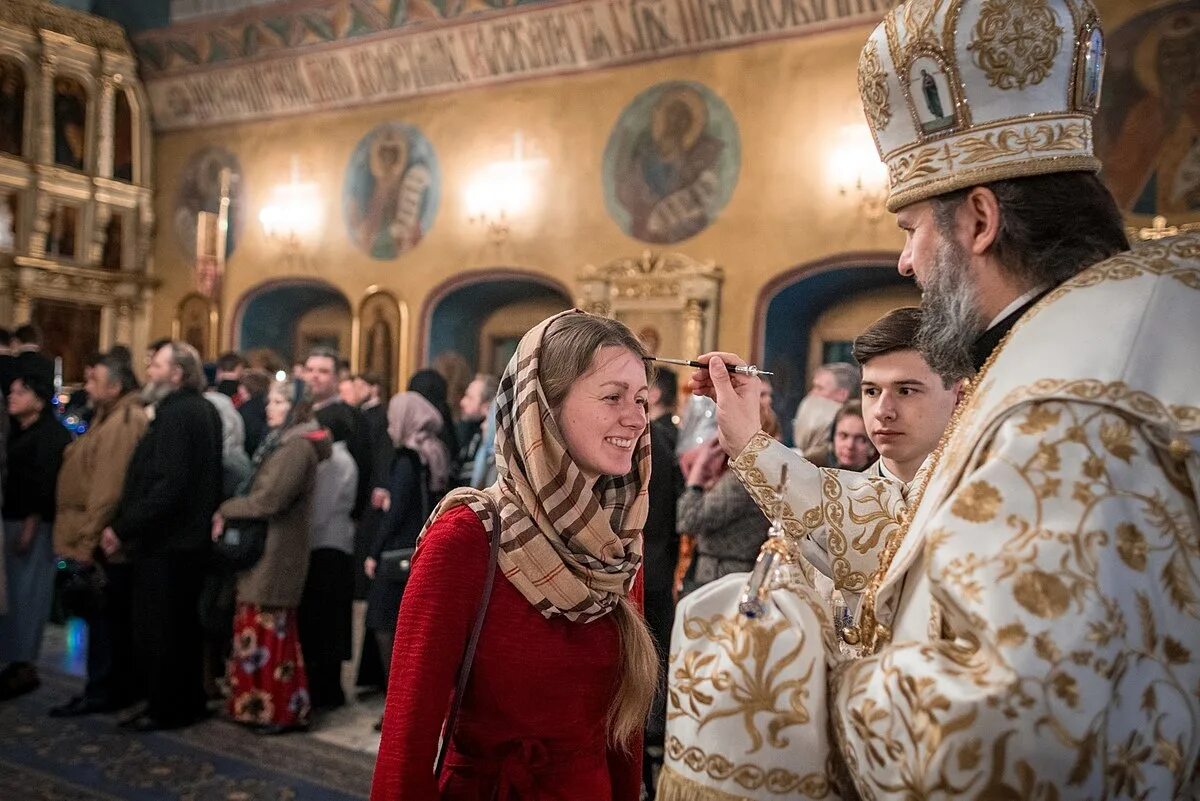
395, 565
242, 543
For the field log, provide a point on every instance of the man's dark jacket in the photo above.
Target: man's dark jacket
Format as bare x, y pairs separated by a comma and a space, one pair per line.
348, 425
174, 481
254, 419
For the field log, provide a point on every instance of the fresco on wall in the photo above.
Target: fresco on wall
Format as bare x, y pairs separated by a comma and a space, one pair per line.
671, 162
1148, 130
200, 191
392, 189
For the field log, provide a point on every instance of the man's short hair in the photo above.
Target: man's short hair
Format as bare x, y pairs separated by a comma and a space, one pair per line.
256, 381
229, 361
488, 386
324, 352
667, 382
120, 371
29, 334
158, 344
376, 381
894, 331
847, 376
92, 358
185, 357
1051, 226
121, 352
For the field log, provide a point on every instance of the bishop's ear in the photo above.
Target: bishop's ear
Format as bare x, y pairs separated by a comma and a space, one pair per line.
981, 211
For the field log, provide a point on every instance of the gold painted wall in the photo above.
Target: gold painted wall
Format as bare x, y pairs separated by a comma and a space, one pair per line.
791, 99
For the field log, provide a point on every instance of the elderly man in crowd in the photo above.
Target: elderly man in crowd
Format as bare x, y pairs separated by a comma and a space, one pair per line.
833, 384
163, 525
90, 485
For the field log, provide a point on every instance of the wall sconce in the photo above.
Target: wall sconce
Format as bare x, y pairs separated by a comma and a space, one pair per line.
856, 171
294, 215
502, 191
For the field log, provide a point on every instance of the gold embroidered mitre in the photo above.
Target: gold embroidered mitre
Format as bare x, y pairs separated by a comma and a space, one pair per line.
963, 92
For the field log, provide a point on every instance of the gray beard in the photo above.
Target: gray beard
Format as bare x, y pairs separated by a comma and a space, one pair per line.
153, 393
950, 320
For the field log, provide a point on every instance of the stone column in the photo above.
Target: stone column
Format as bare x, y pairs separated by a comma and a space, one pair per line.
104, 144
124, 327
693, 327
45, 127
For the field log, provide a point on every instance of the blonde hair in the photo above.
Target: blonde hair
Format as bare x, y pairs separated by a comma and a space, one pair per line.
569, 346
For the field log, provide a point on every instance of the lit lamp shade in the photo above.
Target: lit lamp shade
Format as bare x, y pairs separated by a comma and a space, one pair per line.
853, 162
294, 213
502, 190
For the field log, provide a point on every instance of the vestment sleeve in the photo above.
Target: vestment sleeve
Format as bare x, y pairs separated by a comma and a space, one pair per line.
840, 519
441, 599
1066, 566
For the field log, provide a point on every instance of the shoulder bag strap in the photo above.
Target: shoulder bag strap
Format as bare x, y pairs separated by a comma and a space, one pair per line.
464, 670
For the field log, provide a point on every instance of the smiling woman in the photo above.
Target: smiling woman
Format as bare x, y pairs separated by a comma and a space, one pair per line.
564, 670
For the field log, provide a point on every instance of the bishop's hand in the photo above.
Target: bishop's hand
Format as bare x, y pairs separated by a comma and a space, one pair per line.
737, 397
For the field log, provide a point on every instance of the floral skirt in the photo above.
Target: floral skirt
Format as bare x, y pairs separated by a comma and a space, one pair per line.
268, 683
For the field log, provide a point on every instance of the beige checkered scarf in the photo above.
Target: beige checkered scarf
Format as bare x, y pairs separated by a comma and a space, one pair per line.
570, 549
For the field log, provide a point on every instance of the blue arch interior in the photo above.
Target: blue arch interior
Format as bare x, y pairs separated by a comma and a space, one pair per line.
269, 320
791, 315
457, 319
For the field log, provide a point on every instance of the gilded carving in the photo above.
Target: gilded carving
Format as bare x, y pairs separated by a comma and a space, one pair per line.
873, 87
1045, 138
749, 776
1015, 42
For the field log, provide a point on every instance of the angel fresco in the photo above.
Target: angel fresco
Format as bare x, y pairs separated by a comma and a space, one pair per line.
671, 162
391, 192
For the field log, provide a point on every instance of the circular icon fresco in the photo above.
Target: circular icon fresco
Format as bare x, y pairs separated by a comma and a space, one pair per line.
392, 189
671, 162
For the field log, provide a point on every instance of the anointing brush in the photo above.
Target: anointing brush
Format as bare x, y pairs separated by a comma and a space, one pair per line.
741, 369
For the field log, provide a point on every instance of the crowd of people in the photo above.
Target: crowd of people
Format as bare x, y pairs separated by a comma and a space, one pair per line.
211, 524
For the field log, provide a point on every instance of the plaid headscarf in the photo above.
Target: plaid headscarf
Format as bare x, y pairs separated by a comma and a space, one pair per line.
571, 549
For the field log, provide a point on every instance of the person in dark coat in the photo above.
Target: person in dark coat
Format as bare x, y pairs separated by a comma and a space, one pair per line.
35, 448
253, 409
164, 522
27, 354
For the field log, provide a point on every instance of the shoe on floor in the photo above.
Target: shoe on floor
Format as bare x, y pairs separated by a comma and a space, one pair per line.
81, 705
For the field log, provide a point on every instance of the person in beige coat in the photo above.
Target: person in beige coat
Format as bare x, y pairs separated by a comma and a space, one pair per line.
268, 682
89, 490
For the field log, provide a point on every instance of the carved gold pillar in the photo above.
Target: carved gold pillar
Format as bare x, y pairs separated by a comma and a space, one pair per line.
104, 151
100, 222
40, 229
693, 328
45, 128
123, 332
22, 305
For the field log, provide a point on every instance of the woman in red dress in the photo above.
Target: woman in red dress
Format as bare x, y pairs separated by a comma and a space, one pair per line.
564, 671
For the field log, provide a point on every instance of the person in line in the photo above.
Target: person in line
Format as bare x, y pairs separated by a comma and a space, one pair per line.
268, 684
565, 669
474, 405
413, 426
27, 354
35, 450
833, 385
718, 512
253, 390
90, 485
231, 366
849, 447
163, 521
430, 384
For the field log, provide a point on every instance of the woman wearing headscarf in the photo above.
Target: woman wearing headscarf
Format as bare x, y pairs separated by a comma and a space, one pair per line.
564, 669
36, 443
413, 425
268, 684
430, 385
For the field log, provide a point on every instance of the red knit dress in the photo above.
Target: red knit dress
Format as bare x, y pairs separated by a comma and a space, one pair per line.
532, 723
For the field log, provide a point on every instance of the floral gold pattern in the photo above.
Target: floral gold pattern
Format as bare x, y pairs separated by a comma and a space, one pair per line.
1015, 42
748, 776
978, 503
1045, 138
873, 87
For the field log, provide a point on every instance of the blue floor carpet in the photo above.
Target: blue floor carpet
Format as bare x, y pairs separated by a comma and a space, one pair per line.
91, 759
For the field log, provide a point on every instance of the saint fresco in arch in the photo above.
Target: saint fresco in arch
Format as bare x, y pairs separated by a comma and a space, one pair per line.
12, 106
70, 122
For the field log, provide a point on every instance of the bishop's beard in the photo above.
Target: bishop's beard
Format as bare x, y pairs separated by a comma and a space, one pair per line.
950, 320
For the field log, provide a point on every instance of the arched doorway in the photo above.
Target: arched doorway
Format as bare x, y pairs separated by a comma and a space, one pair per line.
292, 316
481, 316
810, 315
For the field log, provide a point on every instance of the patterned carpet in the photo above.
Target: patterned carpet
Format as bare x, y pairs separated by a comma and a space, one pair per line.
91, 759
